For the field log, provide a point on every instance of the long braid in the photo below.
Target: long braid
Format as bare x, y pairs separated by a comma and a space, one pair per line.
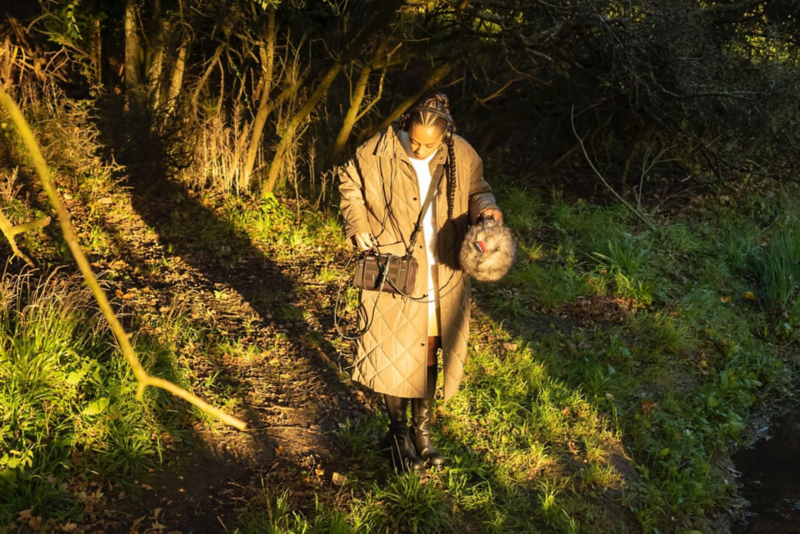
451, 177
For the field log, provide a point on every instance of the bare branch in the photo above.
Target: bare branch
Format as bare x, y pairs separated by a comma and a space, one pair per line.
11, 232
641, 216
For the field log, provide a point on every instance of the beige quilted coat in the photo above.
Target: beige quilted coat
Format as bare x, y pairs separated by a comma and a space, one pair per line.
392, 355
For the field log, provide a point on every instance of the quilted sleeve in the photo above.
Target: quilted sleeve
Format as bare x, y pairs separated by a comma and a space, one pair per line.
351, 188
480, 193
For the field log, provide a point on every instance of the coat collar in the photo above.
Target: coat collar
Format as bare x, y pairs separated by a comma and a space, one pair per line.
389, 146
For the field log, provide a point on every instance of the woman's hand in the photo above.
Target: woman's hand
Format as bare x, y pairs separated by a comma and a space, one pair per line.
364, 241
492, 213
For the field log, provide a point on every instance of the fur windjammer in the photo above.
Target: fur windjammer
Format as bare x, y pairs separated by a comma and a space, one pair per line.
488, 251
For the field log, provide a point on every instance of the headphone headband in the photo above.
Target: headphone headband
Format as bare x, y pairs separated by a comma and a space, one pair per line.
435, 111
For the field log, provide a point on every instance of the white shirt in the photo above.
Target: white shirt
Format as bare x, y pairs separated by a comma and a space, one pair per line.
424, 178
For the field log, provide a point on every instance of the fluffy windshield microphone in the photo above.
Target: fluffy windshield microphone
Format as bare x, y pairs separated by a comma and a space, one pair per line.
488, 252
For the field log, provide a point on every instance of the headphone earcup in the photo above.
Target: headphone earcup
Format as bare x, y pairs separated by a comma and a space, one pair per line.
448, 134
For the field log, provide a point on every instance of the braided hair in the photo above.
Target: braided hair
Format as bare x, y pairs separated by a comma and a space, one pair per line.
440, 102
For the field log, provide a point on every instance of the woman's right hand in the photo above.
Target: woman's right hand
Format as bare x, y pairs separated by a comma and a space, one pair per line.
364, 241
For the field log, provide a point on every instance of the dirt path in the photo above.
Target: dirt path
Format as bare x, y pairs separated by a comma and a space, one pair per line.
285, 378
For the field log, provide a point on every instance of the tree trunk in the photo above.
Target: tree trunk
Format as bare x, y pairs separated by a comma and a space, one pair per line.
97, 53
432, 80
206, 75
133, 50
157, 61
350, 119
264, 107
291, 127
178, 69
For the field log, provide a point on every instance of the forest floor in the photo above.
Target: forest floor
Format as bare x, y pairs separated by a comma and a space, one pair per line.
272, 357
611, 374
269, 355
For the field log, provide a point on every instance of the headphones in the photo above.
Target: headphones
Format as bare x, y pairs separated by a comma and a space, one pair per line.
451, 125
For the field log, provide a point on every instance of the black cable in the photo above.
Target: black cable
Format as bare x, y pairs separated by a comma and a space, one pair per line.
336, 317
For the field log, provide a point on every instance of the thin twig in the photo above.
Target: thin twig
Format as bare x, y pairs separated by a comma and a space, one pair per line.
11, 231
644, 218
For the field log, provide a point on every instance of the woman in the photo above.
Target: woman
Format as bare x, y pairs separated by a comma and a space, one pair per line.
383, 188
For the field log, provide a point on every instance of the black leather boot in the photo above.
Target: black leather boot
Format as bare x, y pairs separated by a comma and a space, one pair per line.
421, 414
404, 458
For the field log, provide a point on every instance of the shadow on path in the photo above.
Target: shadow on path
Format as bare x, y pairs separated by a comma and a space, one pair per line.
290, 411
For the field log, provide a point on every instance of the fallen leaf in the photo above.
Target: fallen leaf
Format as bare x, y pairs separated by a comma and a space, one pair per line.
750, 295
648, 406
725, 299
339, 479
511, 347
69, 527
147, 486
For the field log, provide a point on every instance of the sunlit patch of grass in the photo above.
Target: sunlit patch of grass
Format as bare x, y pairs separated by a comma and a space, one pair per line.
96, 242
235, 348
270, 512
587, 224
522, 209
600, 475
68, 396
326, 275
405, 504
549, 286
272, 224
548, 491
622, 267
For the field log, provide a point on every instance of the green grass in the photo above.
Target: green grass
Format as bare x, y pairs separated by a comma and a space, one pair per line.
555, 427
620, 419
67, 396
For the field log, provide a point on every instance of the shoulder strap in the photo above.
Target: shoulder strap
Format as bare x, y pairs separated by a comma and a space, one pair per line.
425, 205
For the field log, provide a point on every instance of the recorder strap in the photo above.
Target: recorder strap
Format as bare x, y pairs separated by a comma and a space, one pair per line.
425, 205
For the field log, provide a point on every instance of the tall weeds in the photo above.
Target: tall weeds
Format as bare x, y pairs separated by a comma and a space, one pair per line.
220, 154
776, 268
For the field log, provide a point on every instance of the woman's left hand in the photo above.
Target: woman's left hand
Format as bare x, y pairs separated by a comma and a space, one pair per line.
492, 213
